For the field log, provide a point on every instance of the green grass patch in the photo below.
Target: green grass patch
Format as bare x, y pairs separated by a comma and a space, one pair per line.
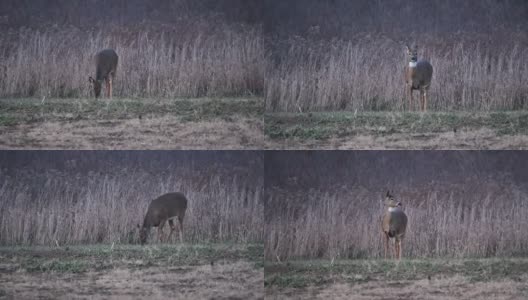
81, 258
17, 111
324, 125
7, 120
69, 266
298, 274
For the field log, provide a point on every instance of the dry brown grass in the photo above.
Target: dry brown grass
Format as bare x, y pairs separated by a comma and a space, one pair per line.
476, 217
162, 61
118, 134
457, 287
481, 139
396, 130
367, 74
226, 281
494, 278
203, 123
130, 271
56, 207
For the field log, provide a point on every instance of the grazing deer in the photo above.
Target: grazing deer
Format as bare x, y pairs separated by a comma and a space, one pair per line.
105, 69
161, 209
418, 75
393, 224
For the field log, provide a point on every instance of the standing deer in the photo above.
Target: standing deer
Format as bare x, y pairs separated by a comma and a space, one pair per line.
418, 75
105, 69
393, 224
161, 209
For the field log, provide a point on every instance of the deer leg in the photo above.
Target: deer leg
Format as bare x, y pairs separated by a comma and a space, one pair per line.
410, 99
106, 88
160, 230
386, 244
110, 87
180, 219
399, 249
422, 100
425, 100
160, 233
172, 227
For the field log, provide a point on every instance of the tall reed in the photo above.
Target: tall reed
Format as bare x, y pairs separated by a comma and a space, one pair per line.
65, 208
476, 218
368, 74
152, 62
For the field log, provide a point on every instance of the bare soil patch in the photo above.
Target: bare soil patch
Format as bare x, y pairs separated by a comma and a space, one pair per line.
482, 139
505, 278
131, 124
392, 130
456, 287
226, 280
156, 133
208, 271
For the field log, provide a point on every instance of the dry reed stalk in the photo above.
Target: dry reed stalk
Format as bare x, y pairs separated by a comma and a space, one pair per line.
368, 75
453, 221
99, 207
57, 63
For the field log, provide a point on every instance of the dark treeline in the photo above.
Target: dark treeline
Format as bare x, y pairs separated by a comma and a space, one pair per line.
327, 169
343, 18
92, 12
247, 164
328, 19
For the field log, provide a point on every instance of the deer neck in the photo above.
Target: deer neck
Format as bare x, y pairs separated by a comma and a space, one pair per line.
146, 222
394, 209
412, 64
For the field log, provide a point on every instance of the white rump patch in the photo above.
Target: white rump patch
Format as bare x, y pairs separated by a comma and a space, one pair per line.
412, 64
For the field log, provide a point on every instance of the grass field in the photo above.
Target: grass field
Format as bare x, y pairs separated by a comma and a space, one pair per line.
397, 130
204, 123
201, 271
493, 278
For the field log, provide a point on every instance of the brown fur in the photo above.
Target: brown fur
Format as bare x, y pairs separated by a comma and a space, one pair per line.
163, 209
106, 67
393, 225
418, 78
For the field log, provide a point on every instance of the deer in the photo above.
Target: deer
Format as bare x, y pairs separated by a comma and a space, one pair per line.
162, 209
393, 224
105, 70
418, 75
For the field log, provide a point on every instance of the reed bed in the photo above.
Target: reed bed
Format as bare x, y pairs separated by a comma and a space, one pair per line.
58, 207
368, 74
447, 223
153, 62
